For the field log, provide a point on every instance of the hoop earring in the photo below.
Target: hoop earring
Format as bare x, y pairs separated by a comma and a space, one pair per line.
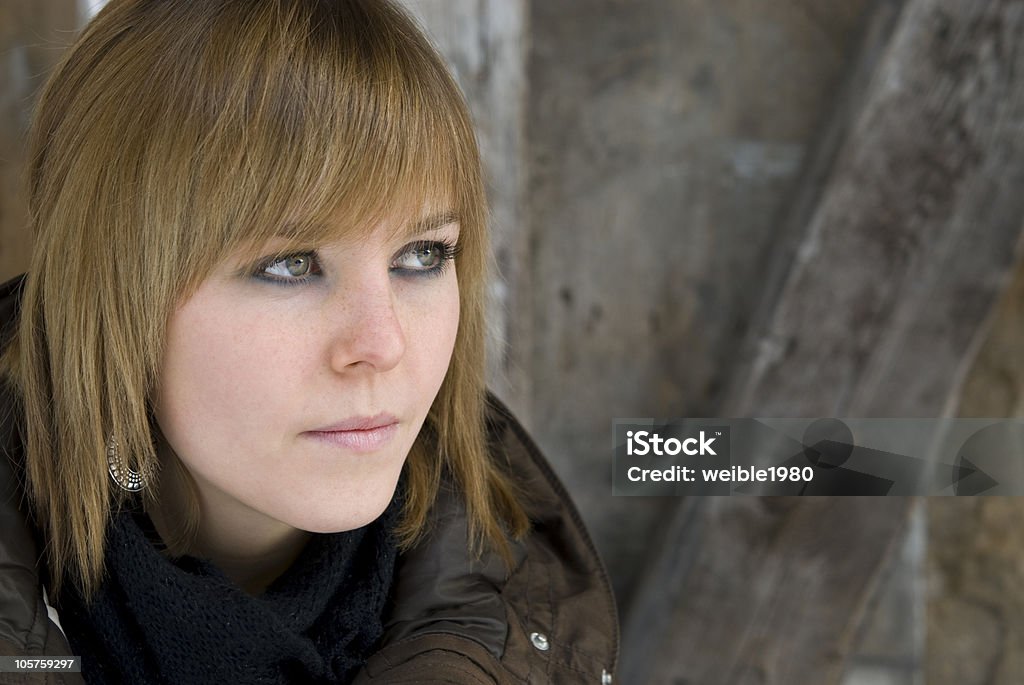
126, 479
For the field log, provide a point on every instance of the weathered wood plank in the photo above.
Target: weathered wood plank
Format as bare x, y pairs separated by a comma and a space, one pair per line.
974, 626
33, 34
995, 384
664, 137
910, 219
775, 590
913, 235
975, 555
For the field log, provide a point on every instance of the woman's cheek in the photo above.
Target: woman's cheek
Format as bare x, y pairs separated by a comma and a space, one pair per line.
435, 335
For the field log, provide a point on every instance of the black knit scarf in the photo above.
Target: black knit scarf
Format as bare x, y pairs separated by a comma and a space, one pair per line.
162, 620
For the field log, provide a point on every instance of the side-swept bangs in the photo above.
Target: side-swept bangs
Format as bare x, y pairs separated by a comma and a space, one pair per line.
176, 133
306, 121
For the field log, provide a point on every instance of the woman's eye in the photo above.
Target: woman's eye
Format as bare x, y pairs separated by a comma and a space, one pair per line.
422, 257
293, 268
426, 256
419, 258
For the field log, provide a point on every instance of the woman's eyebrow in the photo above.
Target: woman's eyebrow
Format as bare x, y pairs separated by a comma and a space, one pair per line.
431, 222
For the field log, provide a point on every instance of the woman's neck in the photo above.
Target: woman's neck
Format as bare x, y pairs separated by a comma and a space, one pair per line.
252, 565
251, 549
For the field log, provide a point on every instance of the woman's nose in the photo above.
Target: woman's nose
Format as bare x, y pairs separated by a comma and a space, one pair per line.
366, 329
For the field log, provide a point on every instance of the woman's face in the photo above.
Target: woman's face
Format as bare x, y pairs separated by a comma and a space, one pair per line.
292, 390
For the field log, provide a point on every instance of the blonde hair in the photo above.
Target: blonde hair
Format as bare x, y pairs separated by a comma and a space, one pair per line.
175, 132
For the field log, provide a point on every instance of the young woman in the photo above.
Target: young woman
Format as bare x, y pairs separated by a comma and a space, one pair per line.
246, 433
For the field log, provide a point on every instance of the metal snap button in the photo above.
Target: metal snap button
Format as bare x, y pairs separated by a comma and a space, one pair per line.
540, 641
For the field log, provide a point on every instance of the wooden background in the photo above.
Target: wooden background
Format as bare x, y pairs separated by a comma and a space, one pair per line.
740, 208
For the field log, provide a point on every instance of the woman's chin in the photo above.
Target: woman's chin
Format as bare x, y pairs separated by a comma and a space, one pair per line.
335, 520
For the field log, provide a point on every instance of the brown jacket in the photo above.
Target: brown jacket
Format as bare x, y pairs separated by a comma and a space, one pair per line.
551, 620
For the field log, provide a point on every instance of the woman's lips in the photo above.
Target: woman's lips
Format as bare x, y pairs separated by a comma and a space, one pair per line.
358, 423
359, 440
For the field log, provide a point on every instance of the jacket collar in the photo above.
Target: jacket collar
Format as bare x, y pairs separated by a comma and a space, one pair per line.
23, 616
